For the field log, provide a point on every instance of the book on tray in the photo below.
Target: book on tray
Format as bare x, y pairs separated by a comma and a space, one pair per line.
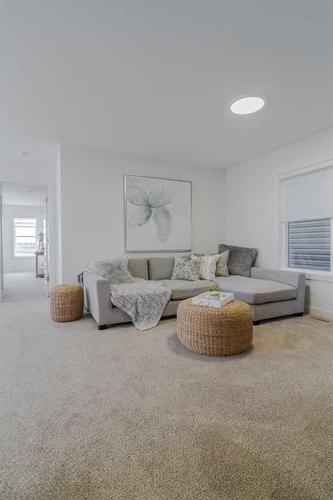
216, 299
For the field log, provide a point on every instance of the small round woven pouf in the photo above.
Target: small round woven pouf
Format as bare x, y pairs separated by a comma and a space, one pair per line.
66, 302
215, 331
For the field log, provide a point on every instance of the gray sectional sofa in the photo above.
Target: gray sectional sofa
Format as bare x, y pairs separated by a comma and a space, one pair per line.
270, 293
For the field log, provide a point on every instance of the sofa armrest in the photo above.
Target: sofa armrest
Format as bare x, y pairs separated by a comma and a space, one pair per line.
292, 278
97, 297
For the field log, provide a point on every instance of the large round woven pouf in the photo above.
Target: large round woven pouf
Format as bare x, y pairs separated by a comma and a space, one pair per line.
66, 302
215, 331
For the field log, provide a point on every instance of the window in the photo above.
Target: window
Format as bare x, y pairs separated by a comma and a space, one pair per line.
309, 244
307, 215
24, 237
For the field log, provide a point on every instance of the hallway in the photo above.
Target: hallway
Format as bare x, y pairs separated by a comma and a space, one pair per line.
20, 287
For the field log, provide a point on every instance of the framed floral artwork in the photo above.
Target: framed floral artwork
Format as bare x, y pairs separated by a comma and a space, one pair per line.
158, 214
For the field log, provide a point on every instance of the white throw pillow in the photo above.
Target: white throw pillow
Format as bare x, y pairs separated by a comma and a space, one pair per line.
222, 264
207, 265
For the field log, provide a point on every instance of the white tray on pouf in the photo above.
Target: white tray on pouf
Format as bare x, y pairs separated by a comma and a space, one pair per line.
213, 300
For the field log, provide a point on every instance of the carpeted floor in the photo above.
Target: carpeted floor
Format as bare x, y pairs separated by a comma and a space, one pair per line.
123, 415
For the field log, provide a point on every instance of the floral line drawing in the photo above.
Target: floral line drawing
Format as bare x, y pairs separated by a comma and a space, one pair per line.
151, 205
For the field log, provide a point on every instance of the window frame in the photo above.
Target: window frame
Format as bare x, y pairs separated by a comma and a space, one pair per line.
311, 275
26, 256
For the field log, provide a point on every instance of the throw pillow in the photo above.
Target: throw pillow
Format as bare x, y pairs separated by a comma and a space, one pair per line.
207, 265
222, 264
240, 260
113, 270
185, 269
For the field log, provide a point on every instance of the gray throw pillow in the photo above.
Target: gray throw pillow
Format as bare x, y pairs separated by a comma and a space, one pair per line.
240, 260
186, 269
113, 270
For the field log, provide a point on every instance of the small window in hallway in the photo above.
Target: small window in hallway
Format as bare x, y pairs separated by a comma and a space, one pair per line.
25, 237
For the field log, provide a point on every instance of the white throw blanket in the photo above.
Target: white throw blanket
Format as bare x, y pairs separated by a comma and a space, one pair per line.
142, 300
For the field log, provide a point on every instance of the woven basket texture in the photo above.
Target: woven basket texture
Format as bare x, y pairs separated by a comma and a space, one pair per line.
66, 302
215, 331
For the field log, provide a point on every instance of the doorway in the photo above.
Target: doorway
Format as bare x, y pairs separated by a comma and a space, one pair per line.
24, 241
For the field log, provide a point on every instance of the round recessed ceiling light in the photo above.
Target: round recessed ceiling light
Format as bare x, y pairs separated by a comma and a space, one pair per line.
247, 105
22, 153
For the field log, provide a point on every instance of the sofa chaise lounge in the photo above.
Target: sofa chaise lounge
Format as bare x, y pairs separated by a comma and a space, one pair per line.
270, 293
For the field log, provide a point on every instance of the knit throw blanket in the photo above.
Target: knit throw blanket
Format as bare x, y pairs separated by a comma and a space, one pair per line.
142, 300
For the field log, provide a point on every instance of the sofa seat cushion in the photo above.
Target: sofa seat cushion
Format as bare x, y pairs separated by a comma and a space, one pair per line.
182, 289
256, 291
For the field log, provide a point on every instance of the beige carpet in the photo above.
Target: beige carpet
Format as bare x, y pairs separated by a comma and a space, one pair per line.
122, 414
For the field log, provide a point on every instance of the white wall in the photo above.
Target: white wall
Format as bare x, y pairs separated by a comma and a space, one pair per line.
1, 245
13, 264
253, 207
92, 204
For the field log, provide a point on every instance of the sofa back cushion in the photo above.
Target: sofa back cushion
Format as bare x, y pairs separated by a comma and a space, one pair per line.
160, 268
241, 259
138, 267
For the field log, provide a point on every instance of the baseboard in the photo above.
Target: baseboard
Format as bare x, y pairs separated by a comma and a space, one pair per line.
321, 313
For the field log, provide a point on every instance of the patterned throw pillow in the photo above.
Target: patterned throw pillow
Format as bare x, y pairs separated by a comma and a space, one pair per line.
113, 270
222, 264
185, 269
207, 265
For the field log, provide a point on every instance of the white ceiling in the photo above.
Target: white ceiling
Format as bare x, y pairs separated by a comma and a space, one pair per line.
156, 78
23, 194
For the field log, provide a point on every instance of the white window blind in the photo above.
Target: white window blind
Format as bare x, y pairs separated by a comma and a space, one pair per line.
309, 244
307, 213
24, 236
307, 196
